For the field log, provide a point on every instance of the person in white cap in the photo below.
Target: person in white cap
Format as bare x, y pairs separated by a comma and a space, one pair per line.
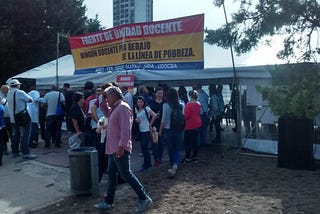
18, 99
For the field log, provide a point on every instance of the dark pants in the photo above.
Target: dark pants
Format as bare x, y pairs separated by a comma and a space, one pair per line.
157, 150
42, 123
53, 130
92, 139
191, 142
203, 130
8, 134
123, 166
217, 126
144, 142
102, 160
2, 143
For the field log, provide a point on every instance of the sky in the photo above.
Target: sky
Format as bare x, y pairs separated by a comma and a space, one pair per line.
214, 17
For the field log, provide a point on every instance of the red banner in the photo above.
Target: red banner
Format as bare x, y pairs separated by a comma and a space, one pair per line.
126, 80
169, 44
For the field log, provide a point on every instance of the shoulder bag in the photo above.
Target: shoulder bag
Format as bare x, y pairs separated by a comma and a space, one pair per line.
22, 118
60, 107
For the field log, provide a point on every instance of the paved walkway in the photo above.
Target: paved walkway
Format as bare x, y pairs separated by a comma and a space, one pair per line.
30, 184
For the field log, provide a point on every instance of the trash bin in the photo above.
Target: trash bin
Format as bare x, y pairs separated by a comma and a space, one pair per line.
84, 177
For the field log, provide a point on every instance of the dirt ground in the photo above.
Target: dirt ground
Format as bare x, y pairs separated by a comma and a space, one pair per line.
233, 184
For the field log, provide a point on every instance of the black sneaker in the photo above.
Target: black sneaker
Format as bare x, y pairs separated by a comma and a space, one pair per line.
33, 145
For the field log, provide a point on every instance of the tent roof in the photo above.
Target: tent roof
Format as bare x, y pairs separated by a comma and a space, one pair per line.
65, 68
45, 75
205, 76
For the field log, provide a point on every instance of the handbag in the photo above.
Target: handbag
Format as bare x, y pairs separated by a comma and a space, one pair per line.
153, 132
22, 118
60, 107
154, 135
75, 141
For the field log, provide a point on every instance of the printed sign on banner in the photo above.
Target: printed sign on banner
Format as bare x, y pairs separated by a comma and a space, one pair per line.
126, 80
173, 44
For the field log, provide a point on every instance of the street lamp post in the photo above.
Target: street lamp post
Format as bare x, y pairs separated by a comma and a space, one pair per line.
57, 59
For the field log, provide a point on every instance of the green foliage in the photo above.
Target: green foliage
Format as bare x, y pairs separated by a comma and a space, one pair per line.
93, 25
29, 28
299, 20
295, 91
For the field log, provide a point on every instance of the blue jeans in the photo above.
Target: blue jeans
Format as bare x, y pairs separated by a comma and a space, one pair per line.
203, 129
144, 143
157, 150
174, 141
122, 165
34, 132
20, 133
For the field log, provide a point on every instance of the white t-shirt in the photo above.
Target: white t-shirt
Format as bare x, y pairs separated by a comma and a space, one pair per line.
51, 99
33, 107
103, 121
93, 123
142, 117
128, 98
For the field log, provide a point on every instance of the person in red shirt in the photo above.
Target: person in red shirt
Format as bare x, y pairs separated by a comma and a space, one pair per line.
193, 123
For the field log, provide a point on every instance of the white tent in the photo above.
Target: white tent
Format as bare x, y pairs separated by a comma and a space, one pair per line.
65, 68
46, 75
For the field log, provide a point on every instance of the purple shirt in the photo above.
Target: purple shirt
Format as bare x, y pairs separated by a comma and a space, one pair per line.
119, 128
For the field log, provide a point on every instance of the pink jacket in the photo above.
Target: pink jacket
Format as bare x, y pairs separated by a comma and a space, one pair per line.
119, 128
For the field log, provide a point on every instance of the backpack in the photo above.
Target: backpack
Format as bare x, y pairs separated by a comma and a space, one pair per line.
178, 121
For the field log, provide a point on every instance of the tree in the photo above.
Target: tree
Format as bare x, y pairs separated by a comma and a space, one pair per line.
94, 25
295, 91
29, 28
298, 20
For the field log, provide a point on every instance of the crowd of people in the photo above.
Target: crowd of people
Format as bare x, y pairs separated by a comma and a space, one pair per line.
110, 118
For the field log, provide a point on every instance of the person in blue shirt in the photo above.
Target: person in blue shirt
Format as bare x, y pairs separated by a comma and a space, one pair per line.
204, 100
2, 133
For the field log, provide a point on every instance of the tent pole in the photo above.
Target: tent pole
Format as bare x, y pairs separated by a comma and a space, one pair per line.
235, 84
57, 60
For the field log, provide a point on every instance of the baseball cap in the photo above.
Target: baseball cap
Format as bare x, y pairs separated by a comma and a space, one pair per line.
98, 89
14, 82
